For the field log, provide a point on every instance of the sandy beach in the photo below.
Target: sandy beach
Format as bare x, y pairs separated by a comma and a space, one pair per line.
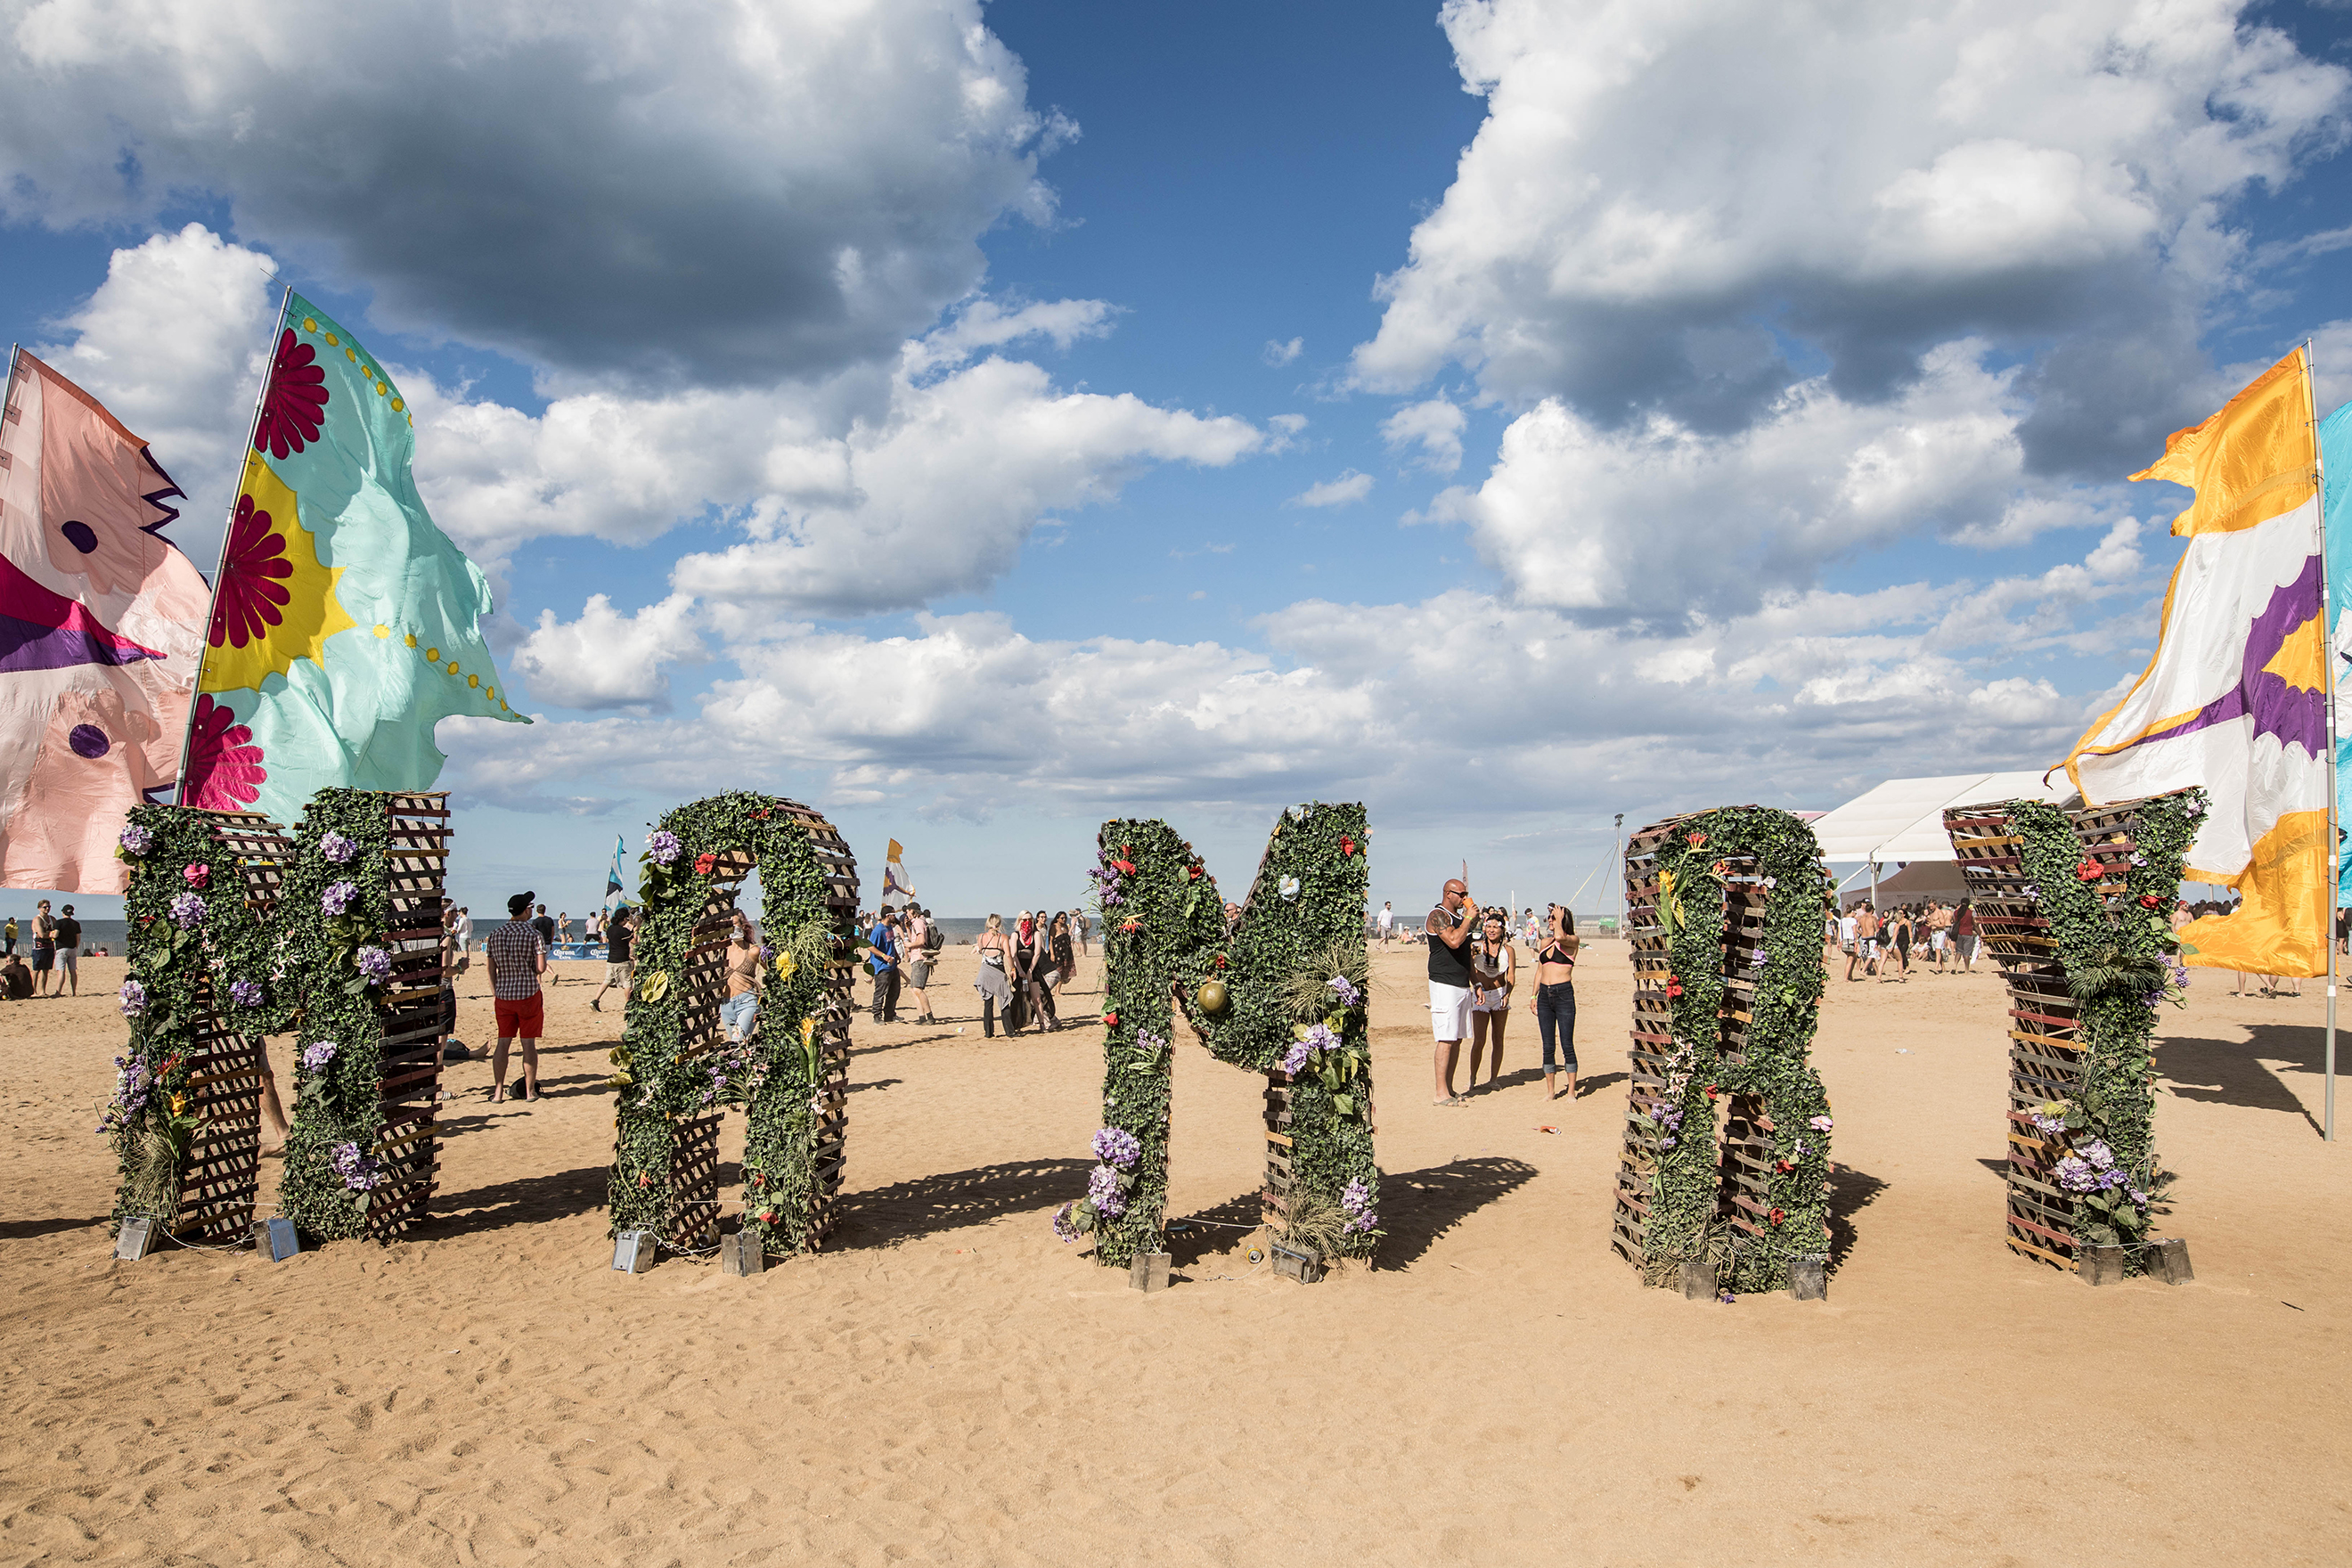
948, 1383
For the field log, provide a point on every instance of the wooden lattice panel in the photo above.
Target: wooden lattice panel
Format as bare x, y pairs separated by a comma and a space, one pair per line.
221, 1180
2046, 1047
1275, 1198
694, 1185
407, 1149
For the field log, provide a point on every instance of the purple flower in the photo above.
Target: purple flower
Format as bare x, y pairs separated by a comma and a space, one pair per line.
2049, 1126
2075, 1176
358, 1171
1820, 1124
374, 962
134, 998
1062, 1226
244, 993
1295, 1058
317, 1055
2032, 890
131, 1083
338, 896
1356, 1199
2138, 1198
136, 840
1319, 1037
2138, 858
1756, 959
337, 847
1116, 1146
188, 910
663, 846
1103, 1191
1349, 995
2101, 1157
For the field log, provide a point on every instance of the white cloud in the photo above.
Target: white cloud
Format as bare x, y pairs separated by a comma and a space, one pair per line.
1346, 490
606, 660
1435, 427
1280, 353
984, 323
703, 191
175, 342
1864, 186
1661, 521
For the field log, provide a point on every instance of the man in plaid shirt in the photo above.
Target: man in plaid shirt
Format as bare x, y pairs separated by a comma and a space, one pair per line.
517, 959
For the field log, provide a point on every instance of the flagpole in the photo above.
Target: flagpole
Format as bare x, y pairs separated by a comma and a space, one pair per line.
220, 564
2328, 663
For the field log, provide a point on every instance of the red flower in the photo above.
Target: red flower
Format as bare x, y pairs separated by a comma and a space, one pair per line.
644, 1180
1125, 867
1193, 874
1782, 1165
703, 862
1111, 1019
198, 876
1720, 869
2088, 871
249, 598
1347, 846
2149, 901
296, 404
1674, 986
1221, 961
1131, 925
1775, 1216
760, 815
1712, 1090
224, 770
1697, 839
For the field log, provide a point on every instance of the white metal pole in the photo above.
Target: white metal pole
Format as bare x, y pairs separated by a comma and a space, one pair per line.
2328, 663
220, 565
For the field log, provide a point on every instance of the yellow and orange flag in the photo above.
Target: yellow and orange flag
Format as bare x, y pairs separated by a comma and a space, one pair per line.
2235, 698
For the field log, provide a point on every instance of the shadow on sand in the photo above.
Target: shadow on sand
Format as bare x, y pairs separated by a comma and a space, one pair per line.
2230, 1072
1850, 1191
926, 1204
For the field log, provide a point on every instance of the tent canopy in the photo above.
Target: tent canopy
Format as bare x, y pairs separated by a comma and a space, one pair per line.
1903, 819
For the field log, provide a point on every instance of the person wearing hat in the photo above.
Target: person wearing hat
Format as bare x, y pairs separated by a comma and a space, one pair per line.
69, 950
517, 959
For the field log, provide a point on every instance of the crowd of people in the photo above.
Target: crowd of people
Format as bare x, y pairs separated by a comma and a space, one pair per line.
1882, 943
57, 953
1474, 977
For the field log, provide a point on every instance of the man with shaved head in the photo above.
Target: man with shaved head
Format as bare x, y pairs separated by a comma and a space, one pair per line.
1449, 926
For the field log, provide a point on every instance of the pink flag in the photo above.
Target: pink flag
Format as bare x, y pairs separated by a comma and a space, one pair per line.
101, 622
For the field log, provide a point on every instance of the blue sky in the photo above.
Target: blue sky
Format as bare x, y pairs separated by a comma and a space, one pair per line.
941, 413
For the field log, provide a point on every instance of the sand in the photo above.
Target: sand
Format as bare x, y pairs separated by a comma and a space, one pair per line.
949, 1383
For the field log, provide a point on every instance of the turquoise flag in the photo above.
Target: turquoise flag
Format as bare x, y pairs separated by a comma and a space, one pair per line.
344, 624
2336, 469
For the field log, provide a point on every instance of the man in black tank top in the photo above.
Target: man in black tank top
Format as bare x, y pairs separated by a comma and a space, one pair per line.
1447, 931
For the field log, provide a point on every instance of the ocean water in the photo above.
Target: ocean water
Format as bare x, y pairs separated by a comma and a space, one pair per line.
108, 934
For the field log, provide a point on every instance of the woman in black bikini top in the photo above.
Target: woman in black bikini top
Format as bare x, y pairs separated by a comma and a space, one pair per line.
1554, 1002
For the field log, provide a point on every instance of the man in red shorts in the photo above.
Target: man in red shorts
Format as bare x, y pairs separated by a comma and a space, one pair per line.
517, 959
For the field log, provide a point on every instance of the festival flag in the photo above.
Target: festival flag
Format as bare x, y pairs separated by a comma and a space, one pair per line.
344, 624
2336, 465
100, 621
896, 883
2235, 698
613, 895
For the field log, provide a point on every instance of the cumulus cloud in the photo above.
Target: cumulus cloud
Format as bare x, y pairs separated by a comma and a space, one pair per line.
1435, 427
1806, 696
1857, 191
606, 660
1281, 353
1346, 490
699, 192
1658, 522
173, 342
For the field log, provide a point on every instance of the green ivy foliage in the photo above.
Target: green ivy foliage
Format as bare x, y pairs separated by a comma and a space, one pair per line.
1677, 1124
303, 964
1164, 937
777, 1074
2126, 933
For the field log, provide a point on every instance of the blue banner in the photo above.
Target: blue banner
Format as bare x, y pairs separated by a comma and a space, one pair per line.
2336, 465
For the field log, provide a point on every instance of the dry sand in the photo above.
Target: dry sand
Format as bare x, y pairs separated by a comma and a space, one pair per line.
950, 1383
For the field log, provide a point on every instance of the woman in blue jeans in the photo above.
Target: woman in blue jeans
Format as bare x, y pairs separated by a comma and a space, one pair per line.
1554, 1002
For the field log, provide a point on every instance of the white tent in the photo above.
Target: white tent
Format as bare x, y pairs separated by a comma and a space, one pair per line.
1903, 819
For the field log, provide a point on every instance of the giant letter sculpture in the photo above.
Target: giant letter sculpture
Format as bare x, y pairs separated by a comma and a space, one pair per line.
239, 931
1284, 992
677, 1074
2075, 906
1725, 908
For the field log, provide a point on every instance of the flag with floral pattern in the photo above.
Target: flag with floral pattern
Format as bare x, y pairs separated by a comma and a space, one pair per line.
345, 624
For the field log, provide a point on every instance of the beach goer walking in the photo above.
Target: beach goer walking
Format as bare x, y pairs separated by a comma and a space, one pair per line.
1065, 961
1078, 931
620, 933
741, 1009
1939, 932
69, 954
1964, 934
465, 927
8, 936
1494, 971
1554, 1002
1385, 922
882, 962
1449, 926
1037, 973
1864, 951
995, 982
45, 947
1898, 947
516, 958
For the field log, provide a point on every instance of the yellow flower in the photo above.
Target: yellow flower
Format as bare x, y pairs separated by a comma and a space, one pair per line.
656, 986
786, 966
